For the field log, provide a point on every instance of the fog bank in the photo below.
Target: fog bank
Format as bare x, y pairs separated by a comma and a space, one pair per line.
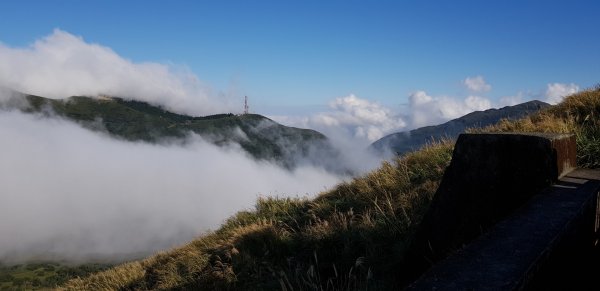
71, 193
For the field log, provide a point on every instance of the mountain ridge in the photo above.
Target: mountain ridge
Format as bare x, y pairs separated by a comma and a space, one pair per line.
259, 136
403, 142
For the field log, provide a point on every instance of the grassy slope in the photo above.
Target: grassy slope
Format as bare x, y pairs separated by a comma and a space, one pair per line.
350, 237
33, 276
132, 120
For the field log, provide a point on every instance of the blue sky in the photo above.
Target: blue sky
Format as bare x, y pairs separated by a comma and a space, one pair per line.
298, 56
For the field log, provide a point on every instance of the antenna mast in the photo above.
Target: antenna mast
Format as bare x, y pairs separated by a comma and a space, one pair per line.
245, 104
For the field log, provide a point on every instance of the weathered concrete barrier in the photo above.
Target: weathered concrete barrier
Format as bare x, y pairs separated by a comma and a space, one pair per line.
541, 246
490, 176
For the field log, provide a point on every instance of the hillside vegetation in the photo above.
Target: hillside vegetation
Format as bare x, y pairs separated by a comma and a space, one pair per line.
34, 276
132, 120
352, 237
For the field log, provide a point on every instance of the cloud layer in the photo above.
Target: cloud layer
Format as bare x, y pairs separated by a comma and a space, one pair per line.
556, 92
427, 110
367, 120
62, 65
477, 84
364, 121
71, 193
351, 124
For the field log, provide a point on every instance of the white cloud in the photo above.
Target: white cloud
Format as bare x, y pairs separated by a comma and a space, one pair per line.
351, 124
477, 103
555, 92
364, 119
370, 120
62, 65
419, 98
476, 84
71, 193
427, 110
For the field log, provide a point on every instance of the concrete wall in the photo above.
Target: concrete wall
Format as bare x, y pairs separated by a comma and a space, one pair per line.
506, 208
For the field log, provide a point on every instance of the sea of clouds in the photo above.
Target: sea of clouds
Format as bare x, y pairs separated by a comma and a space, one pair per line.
70, 193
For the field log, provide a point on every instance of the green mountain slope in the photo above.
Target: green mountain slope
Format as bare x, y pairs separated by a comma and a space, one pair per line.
261, 137
403, 142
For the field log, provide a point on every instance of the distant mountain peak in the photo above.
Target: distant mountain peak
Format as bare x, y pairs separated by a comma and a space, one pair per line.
402, 142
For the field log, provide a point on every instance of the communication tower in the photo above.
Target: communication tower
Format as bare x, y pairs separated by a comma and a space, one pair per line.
245, 104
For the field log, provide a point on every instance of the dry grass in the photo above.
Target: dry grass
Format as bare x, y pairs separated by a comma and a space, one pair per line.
112, 279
